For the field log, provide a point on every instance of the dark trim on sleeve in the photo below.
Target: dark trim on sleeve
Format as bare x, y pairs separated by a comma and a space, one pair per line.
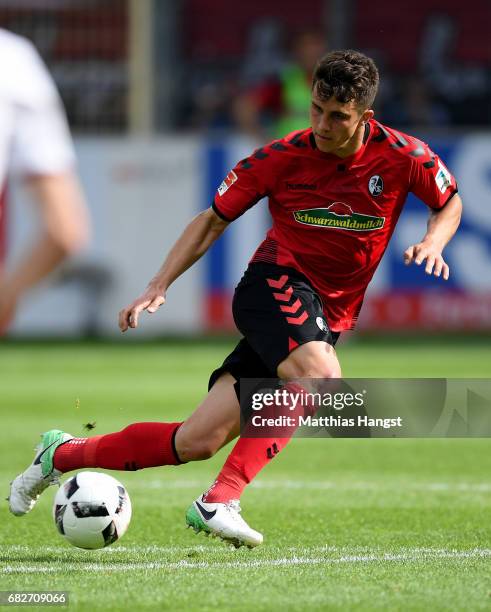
258, 197
219, 213
450, 196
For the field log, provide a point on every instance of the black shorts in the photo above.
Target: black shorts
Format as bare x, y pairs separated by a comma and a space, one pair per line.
276, 309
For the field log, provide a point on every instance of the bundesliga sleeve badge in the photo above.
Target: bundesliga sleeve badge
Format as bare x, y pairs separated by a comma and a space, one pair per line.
228, 181
443, 178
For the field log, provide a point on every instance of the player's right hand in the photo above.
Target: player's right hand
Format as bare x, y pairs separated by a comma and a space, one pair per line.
150, 301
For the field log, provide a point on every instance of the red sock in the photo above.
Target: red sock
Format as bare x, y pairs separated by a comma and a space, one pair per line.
248, 457
137, 446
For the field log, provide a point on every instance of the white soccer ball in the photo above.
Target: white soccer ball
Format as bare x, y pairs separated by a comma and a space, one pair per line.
92, 510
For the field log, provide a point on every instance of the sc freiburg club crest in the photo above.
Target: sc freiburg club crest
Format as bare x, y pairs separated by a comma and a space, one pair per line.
375, 185
339, 216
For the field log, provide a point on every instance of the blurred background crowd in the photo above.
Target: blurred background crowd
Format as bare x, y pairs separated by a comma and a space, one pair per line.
163, 97
212, 66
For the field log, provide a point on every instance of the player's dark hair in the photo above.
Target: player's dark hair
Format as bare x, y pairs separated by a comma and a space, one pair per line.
346, 75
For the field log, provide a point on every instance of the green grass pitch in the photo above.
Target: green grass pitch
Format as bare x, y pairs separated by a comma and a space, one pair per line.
348, 525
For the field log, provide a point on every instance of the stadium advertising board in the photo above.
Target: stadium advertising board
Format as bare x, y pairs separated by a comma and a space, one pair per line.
142, 194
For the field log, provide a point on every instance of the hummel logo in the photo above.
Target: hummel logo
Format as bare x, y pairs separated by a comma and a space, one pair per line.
37, 460
205, 513
301, 186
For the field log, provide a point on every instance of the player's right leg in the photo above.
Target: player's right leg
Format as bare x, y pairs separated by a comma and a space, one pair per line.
292, 340
218, 519
140, 445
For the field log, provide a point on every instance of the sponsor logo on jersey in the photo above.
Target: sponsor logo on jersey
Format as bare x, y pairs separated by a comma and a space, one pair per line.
339, 216
228, 181
443, 178
376, 185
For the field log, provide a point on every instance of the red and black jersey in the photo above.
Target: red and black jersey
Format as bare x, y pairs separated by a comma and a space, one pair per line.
333, 217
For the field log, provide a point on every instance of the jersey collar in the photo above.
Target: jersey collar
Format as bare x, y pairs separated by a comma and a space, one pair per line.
346, 161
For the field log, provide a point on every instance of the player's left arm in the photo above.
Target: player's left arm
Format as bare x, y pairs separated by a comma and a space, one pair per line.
432, 182
442, 225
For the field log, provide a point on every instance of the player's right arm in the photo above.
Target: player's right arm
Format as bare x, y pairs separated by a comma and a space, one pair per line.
243, 186
193, 243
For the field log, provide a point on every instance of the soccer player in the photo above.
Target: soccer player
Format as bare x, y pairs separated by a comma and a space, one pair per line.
335, 193
35, 143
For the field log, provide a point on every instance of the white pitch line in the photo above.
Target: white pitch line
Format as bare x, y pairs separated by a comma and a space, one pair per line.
323, 485
282, 562
368, 486
153, 548
17, 548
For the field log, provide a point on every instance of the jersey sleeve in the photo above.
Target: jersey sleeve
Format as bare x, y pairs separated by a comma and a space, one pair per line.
41, 141
431, 181
248, 182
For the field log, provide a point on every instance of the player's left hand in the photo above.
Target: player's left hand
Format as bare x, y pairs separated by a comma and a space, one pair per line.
429, 252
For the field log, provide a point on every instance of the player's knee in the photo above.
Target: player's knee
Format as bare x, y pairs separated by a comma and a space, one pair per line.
316, 370
309, 363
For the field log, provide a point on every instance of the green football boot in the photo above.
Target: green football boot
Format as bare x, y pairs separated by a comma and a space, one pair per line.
26, 488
